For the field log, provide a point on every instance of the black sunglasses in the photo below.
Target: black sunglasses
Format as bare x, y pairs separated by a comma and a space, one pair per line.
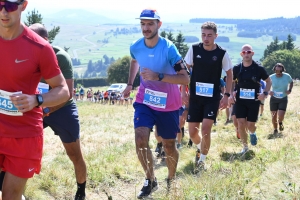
10, 6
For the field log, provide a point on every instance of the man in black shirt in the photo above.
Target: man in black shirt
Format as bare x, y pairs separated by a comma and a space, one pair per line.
248, 74
207, 60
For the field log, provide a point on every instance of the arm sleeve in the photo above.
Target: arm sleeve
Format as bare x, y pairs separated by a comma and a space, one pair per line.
226, 62
189, 56
48, 63
65, 65
173, 55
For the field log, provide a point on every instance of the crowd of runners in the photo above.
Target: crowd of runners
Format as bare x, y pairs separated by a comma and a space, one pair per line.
173, 89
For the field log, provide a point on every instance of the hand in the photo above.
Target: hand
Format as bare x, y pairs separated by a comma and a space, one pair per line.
126, 92
261, 96
24, 102
288, 92
149, 75
231, 100
271, 93
223, 103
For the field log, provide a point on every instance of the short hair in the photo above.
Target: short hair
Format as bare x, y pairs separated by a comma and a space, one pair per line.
40, 29
209, 25
279, 65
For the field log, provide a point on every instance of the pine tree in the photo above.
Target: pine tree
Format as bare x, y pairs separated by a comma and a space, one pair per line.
290, 43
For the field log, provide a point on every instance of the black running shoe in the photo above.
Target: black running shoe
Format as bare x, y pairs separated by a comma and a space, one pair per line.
79, 197
190, 144
281, 127
197, 157
148, 188
158, 149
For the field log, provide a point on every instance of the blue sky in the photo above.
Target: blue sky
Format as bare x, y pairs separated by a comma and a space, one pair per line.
174, 10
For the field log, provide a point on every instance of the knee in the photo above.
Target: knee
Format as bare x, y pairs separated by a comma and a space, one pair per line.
169, 147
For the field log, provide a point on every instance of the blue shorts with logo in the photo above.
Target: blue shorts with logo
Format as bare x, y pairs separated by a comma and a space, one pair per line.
167, 123
181, 110
65, 123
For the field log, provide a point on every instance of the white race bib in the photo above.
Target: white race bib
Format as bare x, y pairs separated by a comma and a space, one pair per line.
278, 94
155, 99
6, 105
247, 93
43, 88
204, 89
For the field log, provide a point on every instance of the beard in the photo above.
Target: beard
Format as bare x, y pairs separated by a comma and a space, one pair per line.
154, 34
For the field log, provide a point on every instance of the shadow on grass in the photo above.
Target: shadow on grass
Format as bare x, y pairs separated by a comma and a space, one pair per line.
229, 157
274, 136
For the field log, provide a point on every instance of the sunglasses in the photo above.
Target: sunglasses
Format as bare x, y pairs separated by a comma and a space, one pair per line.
10, 6
247, 52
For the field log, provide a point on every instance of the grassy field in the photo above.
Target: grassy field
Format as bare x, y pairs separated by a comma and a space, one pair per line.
269, 171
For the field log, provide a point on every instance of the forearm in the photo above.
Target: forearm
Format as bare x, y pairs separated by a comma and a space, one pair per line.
291, 86
133, 70
268, 85
182, 79
230, 82
56, 96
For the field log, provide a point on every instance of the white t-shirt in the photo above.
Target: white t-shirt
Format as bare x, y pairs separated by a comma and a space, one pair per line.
226, 62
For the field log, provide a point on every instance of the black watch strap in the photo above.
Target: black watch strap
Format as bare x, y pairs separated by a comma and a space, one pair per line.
39, 99
227, 94
266, 93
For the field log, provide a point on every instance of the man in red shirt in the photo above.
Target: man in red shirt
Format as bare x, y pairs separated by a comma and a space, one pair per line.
25, 59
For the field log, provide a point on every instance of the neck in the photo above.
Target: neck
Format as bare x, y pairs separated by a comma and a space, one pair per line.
210, 48
12, 32
247, 63
279, 75
152, 41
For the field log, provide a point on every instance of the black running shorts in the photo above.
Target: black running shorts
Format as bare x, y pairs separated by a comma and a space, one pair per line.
278, 104
202, 109
247, 110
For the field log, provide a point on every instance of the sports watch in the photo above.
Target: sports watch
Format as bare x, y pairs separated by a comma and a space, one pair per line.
160, 76
46, 111
265, 93
227, 94
39, 99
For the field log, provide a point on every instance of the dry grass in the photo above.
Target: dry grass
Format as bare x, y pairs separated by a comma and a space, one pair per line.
269, 171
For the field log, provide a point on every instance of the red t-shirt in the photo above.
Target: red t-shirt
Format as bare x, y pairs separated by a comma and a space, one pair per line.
23, 62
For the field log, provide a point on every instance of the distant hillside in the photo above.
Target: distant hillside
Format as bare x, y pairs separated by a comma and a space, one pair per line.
273, 26
78, 16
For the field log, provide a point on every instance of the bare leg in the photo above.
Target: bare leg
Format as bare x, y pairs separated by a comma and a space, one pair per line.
172, 156
13, 187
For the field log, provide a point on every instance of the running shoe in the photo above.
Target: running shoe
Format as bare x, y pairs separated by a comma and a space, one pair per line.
179, 146
197, 157
158, 149
281, 127
253, 139
148, 188
244, 150
200, 166
79, 197
190, 143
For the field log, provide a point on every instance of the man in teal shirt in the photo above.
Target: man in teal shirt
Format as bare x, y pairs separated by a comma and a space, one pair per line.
282, 84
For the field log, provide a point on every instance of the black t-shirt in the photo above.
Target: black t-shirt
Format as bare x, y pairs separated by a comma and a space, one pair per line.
248, 78
207, 68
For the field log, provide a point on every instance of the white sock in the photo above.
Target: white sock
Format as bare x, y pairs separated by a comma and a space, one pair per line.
202, 157
199, 146
252, 133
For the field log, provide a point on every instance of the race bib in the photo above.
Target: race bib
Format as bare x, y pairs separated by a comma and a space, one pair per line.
43, 88
278, 95
6, 105
247, 93
204, 89
155, 99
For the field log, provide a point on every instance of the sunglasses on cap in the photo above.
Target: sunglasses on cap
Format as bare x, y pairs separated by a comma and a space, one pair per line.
247, 52
10, 6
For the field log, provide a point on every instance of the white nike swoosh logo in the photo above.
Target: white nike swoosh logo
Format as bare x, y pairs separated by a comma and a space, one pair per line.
19, 61
31, 169
210, 115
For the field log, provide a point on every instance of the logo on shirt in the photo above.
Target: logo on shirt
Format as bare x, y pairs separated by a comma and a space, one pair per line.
211, 114
198, 56
31, 169
20, 61
151, 56
214, 58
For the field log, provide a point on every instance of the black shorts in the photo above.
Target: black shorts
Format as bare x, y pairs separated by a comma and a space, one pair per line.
278, 104
202, 109
247, 110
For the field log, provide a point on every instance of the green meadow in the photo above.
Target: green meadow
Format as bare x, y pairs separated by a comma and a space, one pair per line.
269, 170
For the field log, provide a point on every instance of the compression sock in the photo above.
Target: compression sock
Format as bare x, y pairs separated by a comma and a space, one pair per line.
81, 189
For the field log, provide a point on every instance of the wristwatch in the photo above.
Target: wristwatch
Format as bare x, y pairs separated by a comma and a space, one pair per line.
265, 93
160, 76
46, 111
227, 94
39, 99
